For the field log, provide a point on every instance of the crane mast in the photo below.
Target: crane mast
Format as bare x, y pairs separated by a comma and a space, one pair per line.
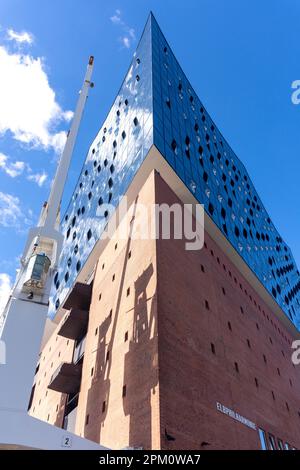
24, 318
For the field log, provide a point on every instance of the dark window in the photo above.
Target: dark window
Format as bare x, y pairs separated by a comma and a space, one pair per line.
236, 366
229, 326
256, 382
87, 419
124, 391
126, 337
128, 291
213, 349
89, 234
206, 305
103, 407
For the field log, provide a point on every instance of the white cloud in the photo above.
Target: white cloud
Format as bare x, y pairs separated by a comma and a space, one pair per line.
116, 18
11, 214
129, 33
5, 288
17, 168
11, 169
126, 42
38, 178
23, 37
10, 211
29, 110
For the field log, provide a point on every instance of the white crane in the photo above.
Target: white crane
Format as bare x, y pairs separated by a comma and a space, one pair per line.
23, 320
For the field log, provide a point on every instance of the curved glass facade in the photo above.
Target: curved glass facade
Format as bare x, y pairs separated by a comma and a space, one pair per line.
157, 104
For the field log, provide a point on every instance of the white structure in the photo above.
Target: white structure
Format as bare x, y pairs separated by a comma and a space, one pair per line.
23, 321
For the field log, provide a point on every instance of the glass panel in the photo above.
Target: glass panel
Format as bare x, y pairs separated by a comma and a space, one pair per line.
280, 444
263, 440
272, 442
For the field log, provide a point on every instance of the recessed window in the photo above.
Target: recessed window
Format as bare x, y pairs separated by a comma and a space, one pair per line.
242, 310
273, 395
129, 255
265, 359
136, 121
248, 343
67, 276
89, 234
278, 371
256, 382
90, 195
287, 406
110, 182
206, 305
128, 291
202, 268
78, 266
126, 337
236, 366
229, 326
103, 407
87, 418
96, 331
124, 391
213, 349
123, 135
114, 277
223, 290
107, 356
92, 371
137, 78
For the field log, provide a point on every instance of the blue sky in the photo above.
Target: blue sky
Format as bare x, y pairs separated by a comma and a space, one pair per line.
240, 56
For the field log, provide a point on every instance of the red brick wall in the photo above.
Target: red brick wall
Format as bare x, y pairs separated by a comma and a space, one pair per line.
192, 379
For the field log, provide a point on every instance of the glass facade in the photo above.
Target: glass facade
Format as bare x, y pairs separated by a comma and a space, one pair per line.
157, 105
